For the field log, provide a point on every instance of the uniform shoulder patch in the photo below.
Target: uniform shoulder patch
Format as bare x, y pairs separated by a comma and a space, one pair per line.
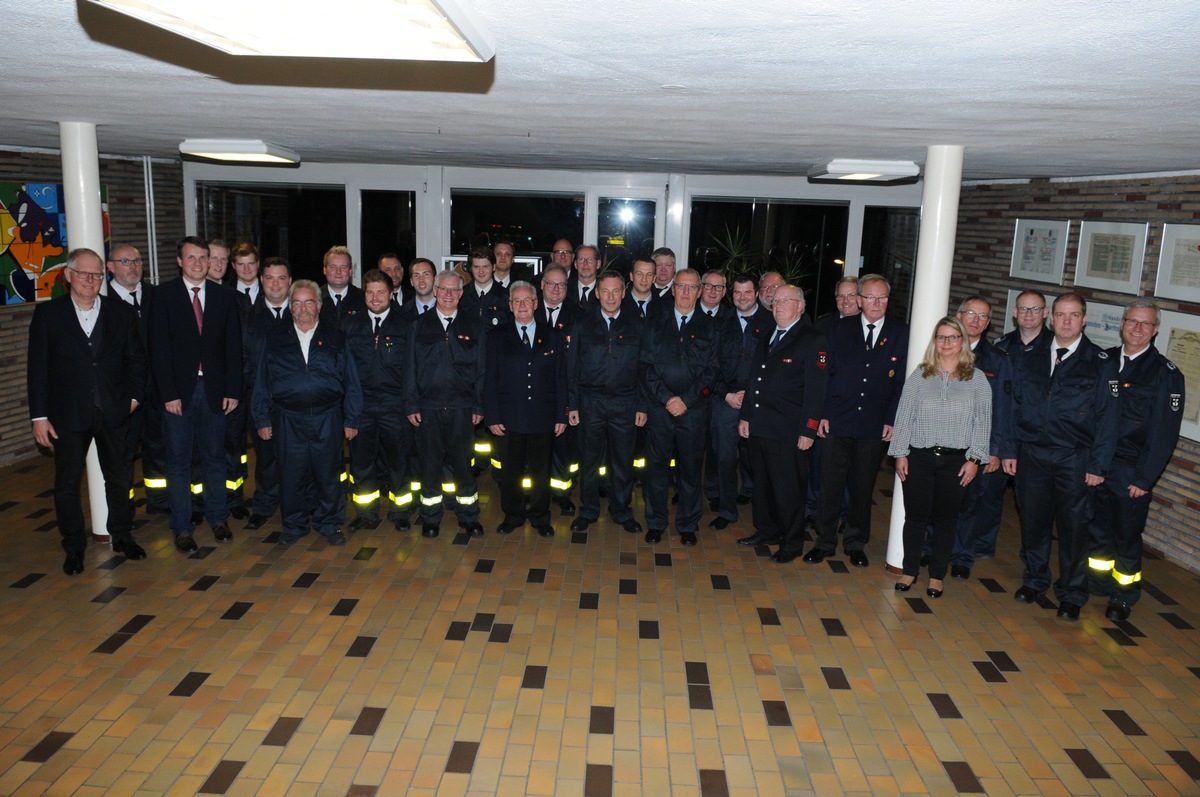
1170, 364
1103, 355
822, 359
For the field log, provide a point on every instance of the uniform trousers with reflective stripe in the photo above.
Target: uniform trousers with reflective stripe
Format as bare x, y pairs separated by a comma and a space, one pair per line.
379, 457
446, 439
562, 458
1051, 491
1116, 537
145, 432
309, 448
685, 436
606, 426
519, 454
235, 454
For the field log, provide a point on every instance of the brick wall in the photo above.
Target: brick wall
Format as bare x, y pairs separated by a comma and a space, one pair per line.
986, 221
127, 217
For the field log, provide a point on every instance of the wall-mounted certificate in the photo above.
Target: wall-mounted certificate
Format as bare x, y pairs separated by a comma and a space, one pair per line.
1040, 250
1179, 263
1179, 339
1110, 256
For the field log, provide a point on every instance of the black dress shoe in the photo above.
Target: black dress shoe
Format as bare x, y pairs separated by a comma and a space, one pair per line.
1026, 595
713, 505
580, 524
130, 549
783, 557
289, 539
429, 530
1118, 612
255, 522
687, 538
185, 543
960, 571
858, 558
363, 522
744, 499
1068, 611
222, 533
719, 523
752, 540
632, 526
240, 512
337, 539
73, 565
474, 529
566, 506
545, 531
505, 528
654, 535
903, 586
817, 555
402, 523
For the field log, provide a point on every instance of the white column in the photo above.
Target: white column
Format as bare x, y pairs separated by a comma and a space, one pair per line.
931, 292
85, 228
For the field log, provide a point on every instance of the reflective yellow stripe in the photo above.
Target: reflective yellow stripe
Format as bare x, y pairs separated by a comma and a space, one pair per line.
483, 447
432, 500
367, 498
245, 459
130, 493
351, 477
1125, 580
573, 467
1102, 565
558, 484
496, 464
233, 485
449, 487
344, 476
603, 471
414, 486
197, 489
672, 463
639, 463
466, 500
527, 483
400, 500
155, 484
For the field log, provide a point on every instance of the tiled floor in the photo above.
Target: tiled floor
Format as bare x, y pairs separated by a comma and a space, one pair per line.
587, 664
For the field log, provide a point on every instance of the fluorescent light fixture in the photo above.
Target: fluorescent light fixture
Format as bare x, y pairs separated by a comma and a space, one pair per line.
851, 170
412, 30
245, 150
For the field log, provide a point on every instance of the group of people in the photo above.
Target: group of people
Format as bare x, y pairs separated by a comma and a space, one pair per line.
584, 375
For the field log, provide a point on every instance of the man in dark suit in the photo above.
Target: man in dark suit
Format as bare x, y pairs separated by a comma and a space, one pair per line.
780, 417
339, 298
555, 311
145, 423
642, 298
678, 369
86, 373
581, 288
867, 356
270, 311
525, 407
506, 271
391, 264
196, 362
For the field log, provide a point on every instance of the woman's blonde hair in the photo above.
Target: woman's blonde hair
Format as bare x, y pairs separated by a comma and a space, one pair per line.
931, 365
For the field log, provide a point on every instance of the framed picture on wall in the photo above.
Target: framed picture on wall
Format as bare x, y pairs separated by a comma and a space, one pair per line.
1179, 263
1040, 250
1110, 256
1179, 339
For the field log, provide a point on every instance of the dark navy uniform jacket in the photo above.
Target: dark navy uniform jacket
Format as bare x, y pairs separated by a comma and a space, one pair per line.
491, 308
864, 385
1152, 396
257, 322
525, 388
444, 368
336, 313
1076, 408
678, 363
786, 392
738, 348
566, 316
380, 357
654, 305
995, 366
605, 362
327, 383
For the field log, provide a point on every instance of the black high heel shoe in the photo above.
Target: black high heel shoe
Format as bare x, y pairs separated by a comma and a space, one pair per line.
903, 587
932, 592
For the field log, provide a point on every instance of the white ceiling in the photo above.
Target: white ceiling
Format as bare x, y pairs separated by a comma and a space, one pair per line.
1030, 87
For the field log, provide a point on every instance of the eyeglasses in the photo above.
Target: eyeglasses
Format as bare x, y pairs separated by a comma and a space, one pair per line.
948, 338
841, 297
563, 252
88, 276
1031, 310
969, 314
1139, 324
585, 260
310, 303
125, 261
548, 284
708, 286
873, 299
785, 300
687, 286
443, 289
521, 301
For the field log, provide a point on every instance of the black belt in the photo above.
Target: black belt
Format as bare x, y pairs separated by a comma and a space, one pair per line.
942, 451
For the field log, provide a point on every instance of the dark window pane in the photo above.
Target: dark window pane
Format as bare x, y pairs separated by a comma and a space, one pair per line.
530, 222
626, 231
298, 222
799, 240
889, 247
389, 223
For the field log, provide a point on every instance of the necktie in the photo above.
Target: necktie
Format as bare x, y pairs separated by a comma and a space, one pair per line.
425, 308
337, 301
449, 321
198, 310
585, 294
278, 313
870, 336
712, 313
246, 290
682, 322
641, 303
610, 320
550, 311
1061, 353
137, 306
525, 337
1126, 363
378, 321
775, 339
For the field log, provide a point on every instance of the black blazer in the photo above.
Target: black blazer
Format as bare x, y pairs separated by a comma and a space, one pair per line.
336, 313
525, 388
70, 374
864, 386
177, 349
785, 393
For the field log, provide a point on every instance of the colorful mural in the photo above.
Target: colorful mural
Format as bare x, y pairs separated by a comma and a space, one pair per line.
33, 240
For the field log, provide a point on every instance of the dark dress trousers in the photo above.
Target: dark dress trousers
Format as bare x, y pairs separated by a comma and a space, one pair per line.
257, 323
145, 424
785, 394
525, 389
565, 456
679, 363
307, 405
178, 351
861, 397
85, 387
